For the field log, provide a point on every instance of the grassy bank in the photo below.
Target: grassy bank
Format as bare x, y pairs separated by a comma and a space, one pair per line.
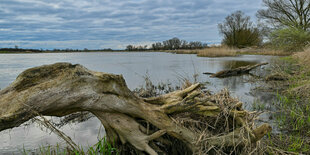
293, 106
262, 51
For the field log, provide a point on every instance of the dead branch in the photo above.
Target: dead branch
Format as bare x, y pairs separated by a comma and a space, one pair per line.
236, 71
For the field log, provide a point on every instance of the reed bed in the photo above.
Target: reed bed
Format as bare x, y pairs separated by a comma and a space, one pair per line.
183, 51
217, 52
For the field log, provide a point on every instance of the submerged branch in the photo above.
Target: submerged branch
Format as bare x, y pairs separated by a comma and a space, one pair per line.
235, 72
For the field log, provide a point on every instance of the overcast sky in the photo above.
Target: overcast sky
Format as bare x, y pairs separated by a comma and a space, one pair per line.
95, 24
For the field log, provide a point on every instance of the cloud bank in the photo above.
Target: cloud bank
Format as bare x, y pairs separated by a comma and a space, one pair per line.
113, 24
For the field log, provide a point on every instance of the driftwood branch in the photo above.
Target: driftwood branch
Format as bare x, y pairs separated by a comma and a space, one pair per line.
236, 71
61, 89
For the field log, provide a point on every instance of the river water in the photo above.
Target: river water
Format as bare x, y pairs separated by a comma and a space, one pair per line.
161, 67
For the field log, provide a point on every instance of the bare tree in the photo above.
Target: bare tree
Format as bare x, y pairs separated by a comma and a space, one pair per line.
291, 13
239, 31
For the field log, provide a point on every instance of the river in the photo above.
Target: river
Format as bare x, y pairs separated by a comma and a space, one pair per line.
161, 67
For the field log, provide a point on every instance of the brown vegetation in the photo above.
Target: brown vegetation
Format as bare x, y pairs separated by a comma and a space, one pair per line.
223, 51
263, 51
183, 51
303, 57
220, 51
217, 52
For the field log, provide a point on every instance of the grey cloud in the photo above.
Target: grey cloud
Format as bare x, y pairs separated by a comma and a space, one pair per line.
62, 23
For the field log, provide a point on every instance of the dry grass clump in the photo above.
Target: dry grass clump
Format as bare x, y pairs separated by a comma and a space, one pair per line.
274, 52
217, 52
151, 90
301, 91
303, 57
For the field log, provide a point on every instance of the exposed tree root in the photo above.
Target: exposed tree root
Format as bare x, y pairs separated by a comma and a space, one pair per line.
236, 71
199, 122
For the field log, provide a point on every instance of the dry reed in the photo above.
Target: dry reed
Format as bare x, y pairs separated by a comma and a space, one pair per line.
183, 51
217, 52
274, 52
263, 51
303, 57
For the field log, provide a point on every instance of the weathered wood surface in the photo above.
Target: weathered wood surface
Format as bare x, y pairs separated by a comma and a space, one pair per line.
236, 71
61, 89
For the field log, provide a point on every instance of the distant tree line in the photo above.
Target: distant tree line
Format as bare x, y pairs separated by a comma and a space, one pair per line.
171, 44
21, 50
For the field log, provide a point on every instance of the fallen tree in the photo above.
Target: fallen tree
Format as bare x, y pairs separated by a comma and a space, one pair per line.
235, 71
181, 122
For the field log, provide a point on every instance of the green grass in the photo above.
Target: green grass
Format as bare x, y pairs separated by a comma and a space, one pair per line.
289, 59
294, 115
288, 143
258, 106
102, 147
293, 109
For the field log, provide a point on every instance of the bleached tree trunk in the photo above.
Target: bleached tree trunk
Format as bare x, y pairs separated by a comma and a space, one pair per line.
61, 89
